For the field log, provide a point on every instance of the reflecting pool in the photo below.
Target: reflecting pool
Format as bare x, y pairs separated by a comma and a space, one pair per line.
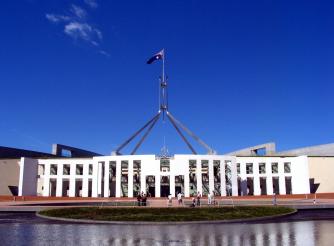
35, 231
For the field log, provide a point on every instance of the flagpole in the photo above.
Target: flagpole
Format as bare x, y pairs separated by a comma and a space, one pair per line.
163, 65
163, 89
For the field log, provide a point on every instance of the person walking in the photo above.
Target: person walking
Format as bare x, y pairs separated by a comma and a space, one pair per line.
170, 200
193, 202
139, 199
210, 198
198, 198
179, 198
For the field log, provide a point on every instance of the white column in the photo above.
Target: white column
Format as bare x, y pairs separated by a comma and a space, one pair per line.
256, 180
157, 186
281, 180
99, 179
186, 183
85, 180
211, 177
222, 178
300, 175
94, 180
199, 175
234, 177
59, 187
118, 178
172, 185
72, 180
243, 181
130, 179
106, 179
269, 179
142, 183
46, 186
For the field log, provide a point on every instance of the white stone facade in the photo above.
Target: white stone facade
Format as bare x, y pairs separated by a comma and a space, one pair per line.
128, 175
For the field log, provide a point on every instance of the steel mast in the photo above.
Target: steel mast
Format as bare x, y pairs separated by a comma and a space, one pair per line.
163, 109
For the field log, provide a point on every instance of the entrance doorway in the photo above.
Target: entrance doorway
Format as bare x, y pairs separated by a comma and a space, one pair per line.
179, 184
276, 185
90, 187
78, 188
164, 186
263, 185
250, 186
288, 189
112, 179
239, 187
150, 186
66, 188
53, 187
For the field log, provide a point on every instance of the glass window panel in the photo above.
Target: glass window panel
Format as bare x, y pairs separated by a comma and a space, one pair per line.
274, 167
287, 167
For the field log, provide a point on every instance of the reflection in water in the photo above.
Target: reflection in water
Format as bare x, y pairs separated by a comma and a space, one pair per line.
293, 233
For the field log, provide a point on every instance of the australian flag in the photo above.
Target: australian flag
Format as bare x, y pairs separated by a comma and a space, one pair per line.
157, 56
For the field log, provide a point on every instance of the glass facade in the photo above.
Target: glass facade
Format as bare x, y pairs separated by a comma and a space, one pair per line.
124, 178
274, 167
217, 179
262, 168
287, 167
192, 178
136, 177
205, 177
249, 168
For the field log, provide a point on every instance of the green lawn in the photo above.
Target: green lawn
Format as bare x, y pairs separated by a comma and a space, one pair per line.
165, 214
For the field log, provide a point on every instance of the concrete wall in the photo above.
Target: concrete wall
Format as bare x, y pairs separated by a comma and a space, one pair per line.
9, 175
321, 169
28, 177
300, 176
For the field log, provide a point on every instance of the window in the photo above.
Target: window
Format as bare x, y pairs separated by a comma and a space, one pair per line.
216, 168
249, 168
262, 168
41, 169
79, 169
192, 178
66, 169
53, 169
164, 165
124, 178
90, 169
287, 167
274, 167
238, 168
205, 177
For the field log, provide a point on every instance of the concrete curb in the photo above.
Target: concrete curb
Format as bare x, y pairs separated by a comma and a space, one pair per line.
264, 218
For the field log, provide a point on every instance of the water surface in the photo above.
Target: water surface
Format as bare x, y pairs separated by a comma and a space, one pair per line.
29, 230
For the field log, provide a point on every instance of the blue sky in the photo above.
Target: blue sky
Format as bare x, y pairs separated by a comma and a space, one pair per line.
240, 72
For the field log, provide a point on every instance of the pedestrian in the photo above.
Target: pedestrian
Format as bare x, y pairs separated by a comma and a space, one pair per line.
198, 198
143, 200
169, 200
210, 198
139, 199
179, 198
193, 202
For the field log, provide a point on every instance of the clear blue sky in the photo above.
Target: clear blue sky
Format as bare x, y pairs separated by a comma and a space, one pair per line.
240, 72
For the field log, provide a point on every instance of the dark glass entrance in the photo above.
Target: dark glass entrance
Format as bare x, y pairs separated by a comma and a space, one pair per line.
150, 186
164, 186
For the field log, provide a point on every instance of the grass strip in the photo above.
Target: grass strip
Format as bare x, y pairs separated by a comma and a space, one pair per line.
166, 214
